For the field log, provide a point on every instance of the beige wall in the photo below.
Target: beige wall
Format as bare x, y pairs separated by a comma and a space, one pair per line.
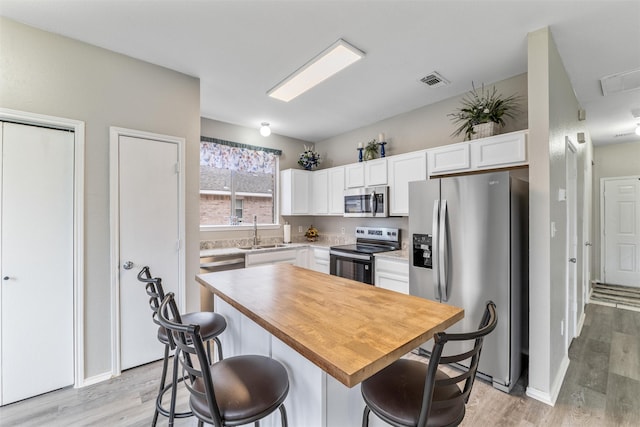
610, 161
553, 112
422, 128
53, 75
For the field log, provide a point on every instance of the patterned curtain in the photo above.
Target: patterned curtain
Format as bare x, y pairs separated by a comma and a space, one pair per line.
234, 157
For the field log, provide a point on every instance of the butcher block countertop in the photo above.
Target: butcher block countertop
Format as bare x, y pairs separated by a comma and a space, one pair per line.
349, 329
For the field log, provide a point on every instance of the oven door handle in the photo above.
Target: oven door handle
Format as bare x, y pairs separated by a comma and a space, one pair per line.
349, 255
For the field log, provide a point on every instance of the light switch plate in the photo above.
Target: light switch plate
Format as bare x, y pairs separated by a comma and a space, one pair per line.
562, 195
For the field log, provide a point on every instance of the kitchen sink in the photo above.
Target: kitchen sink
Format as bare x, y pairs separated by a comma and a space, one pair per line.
256, 247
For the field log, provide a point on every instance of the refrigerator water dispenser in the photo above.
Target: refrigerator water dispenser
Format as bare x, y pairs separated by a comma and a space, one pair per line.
422, 250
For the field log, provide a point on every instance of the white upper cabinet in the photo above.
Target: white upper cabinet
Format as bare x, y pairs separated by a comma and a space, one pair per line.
336, 190
295, 186
448, 159
403, 169
354, 175
509, 149
320, 192
375, 172
366, 174
499, 151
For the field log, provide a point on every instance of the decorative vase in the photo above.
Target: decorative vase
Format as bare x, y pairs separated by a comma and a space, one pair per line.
369, 155
484, 130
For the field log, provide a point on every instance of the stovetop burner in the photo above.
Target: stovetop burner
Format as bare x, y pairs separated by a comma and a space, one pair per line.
372, 240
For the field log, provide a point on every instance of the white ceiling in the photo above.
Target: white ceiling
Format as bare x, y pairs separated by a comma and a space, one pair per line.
240, 49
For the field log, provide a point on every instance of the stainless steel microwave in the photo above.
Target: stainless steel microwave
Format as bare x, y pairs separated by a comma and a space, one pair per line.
366, 202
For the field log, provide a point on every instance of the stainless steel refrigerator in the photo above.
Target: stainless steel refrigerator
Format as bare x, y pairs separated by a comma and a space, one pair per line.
469, 236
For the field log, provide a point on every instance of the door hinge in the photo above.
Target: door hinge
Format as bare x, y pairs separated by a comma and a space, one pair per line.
177, 167
178, 245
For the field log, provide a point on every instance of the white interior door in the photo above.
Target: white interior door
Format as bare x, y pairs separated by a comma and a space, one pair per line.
620, 201
572, 240
149, 233
37, 350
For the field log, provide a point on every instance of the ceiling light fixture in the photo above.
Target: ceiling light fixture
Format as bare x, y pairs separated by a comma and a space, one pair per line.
265, 130
335, 58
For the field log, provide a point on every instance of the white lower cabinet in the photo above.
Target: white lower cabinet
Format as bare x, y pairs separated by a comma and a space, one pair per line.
279, 256
319, 259
392, 274
315, 398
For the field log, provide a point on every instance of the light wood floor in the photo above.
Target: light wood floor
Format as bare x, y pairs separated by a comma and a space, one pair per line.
602, 388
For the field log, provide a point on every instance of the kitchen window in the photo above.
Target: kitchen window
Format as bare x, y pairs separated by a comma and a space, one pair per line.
237, 181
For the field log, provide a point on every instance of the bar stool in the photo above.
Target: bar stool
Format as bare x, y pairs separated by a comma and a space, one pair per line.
409, 393
211, 325
235, 391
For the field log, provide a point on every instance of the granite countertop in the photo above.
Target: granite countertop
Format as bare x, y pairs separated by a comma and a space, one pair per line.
279, 247
402, 255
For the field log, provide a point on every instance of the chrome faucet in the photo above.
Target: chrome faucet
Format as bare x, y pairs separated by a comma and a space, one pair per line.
255, 230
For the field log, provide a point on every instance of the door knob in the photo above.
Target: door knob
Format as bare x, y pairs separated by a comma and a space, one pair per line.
127, 265
573, 260
588, 244
6, 278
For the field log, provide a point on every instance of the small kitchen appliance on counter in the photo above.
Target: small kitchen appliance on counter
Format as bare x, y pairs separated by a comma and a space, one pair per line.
356, 261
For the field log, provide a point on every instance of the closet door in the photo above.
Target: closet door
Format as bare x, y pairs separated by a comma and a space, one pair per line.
36, 261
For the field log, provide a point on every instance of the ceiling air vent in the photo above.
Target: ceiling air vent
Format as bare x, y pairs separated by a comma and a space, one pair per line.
620, 82
434, 80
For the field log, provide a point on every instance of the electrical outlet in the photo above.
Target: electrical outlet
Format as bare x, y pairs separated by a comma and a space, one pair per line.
342, 230
299, 229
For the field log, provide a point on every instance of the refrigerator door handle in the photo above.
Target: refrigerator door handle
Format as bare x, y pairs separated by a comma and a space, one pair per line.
443, 249
434, 245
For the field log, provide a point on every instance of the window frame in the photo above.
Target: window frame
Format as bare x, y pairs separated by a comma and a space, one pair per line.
249, 226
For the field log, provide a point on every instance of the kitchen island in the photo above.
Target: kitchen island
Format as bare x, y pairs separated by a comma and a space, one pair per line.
331, 333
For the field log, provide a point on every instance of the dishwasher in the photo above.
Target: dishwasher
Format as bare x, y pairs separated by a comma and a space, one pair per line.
213, 263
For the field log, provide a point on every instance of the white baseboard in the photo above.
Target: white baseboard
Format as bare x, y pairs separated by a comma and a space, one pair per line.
581, 323
550, 397
94, 380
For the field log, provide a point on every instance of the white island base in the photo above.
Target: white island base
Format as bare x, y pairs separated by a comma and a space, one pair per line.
315, 398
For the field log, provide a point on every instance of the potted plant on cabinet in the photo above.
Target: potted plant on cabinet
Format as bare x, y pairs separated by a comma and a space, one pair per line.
482, 112
371, 150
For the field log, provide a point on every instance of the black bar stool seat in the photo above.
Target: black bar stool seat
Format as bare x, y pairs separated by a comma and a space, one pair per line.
211, 325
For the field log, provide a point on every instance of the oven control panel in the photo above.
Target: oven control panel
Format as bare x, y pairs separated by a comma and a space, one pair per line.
422, 245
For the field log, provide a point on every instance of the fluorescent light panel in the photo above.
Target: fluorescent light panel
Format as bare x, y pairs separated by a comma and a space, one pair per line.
332, 60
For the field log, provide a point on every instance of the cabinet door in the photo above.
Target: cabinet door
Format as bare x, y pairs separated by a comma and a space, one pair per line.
354, 175
294, 192
320, 192
320, 260
392, 274
450, 158
336, 191
275, 257
505, 150
403, 169
375, 172
302, 258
